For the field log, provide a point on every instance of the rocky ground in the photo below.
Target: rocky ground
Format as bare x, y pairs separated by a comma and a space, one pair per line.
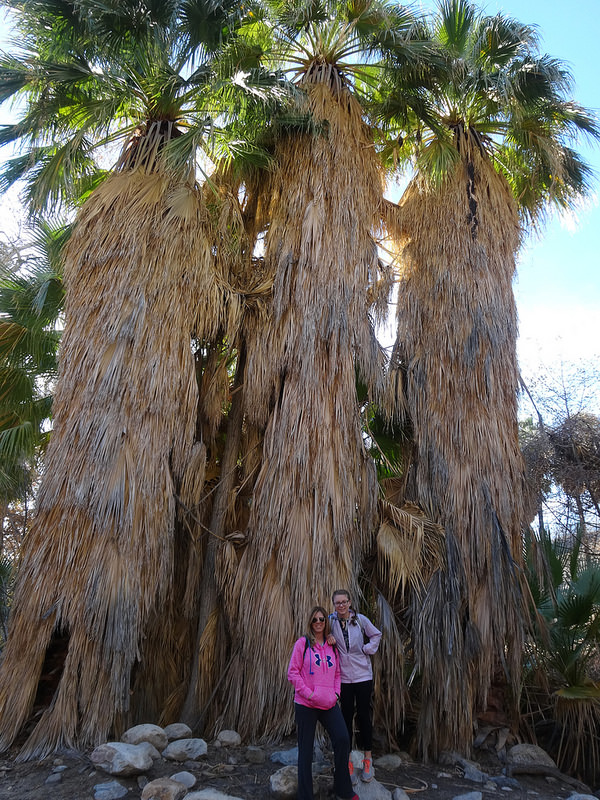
237, 771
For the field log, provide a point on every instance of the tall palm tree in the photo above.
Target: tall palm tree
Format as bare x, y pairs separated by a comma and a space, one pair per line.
139, 282
314, 500
492, 151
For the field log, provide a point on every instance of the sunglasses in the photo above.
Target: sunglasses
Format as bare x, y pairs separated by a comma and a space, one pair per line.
317, 619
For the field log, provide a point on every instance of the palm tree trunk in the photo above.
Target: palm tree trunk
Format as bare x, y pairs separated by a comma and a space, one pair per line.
457, 332
312, 513
203, 676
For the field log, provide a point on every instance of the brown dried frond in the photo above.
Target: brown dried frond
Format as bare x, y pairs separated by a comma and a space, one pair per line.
410, 548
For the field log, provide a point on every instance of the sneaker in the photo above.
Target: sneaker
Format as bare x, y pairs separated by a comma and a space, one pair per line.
367, 771
353, 775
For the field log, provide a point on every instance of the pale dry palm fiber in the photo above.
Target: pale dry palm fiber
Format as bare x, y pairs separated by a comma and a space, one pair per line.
410, 548
139, 281
193, 668
457, 332
314, 500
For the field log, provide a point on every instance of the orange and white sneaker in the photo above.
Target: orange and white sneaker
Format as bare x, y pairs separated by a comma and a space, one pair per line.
353, 775
367, 770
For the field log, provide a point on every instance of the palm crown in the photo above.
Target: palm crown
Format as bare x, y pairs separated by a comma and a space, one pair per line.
490, 87
100, 75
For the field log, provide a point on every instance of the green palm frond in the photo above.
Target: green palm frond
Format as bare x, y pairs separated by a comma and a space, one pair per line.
489, 78
31, 297
120, 68
454, 24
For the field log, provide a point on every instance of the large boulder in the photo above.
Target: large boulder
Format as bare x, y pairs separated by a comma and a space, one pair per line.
178, 730
146, 733
120, 758
284, 783
372, 791
185, 750
229, 738
527, 754
164, 789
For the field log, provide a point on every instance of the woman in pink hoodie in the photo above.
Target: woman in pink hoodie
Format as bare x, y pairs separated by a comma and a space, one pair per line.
314, 671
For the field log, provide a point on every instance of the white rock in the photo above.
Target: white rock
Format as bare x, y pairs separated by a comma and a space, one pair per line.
473, 773
528, 754
164, 789
110, 791
185, 750
229, 738
178, 730
582, 797
286, 757
186, 778
149, 748
372, 791
120, 758
146, 733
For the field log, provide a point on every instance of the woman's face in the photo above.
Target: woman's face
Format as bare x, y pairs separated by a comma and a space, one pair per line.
341, 604
317, 623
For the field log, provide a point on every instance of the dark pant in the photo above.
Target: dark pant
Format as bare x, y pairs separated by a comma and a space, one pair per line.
359, 694
333, 722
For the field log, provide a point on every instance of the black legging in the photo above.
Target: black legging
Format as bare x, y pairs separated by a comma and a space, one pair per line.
333, 722
359, 693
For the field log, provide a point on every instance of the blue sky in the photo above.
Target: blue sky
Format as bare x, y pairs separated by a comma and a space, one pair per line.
558, 280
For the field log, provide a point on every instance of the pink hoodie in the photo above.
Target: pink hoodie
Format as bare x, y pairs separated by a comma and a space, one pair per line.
315, 673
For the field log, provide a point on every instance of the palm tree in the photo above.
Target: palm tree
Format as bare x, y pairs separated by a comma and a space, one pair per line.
313, 509
492, 150
106, 554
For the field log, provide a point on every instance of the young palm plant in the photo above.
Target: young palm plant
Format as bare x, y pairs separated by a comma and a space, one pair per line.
561, 671
495, 120
139, 283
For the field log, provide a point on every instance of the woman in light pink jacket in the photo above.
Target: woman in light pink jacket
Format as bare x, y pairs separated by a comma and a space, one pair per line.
357, 639
314, 671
